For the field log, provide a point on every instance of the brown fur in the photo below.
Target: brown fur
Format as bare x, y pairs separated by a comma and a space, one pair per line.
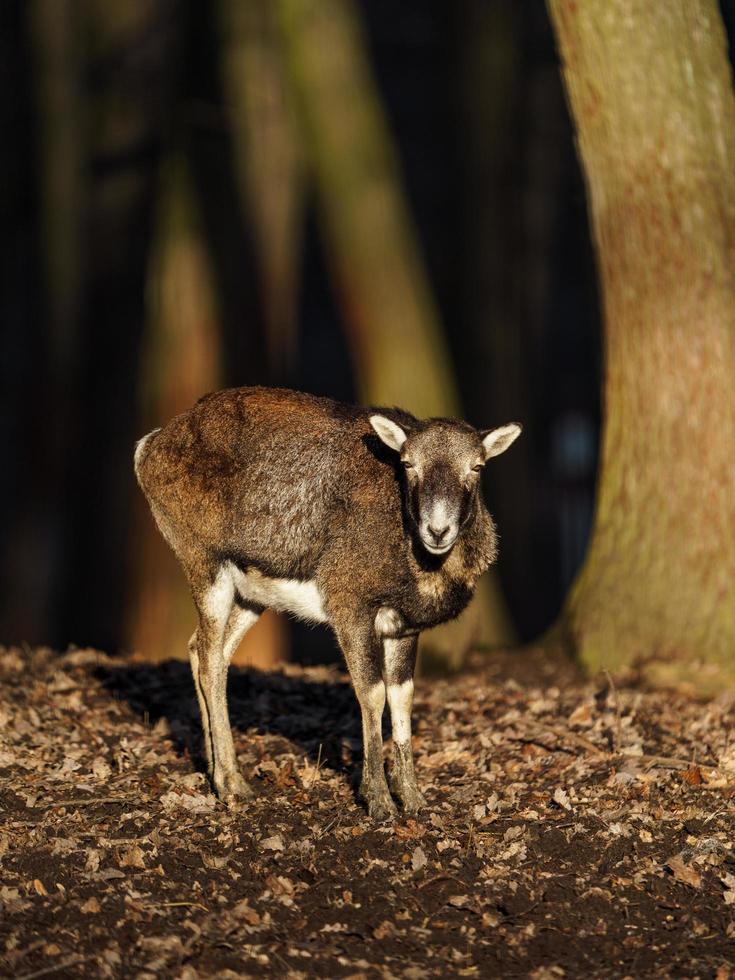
301, 488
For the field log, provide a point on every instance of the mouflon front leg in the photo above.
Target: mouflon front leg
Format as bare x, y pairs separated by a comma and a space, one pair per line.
398, 669
363, 655
222, 625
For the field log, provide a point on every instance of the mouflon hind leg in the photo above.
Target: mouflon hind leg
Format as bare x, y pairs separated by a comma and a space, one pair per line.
222, 624
398, 668
362, 653
203, 713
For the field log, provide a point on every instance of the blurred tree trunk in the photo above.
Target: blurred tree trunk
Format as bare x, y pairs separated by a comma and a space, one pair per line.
181, 362
489, 79
650, 90
24, 497
57, 38
518, 224
210, 307
398, 346
271, 182
374, 257
269, 165
52, 33
227, 222
128, 65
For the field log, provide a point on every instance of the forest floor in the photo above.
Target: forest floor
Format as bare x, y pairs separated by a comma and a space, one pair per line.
573, 829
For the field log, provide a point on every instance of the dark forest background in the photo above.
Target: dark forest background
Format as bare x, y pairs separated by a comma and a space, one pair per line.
132, 170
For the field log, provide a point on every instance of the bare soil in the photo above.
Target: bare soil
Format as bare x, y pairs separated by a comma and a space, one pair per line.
573, 829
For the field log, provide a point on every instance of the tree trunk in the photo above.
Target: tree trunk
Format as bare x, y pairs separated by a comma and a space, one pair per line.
651, 94
269, 165
398, 346
28, 485
128, 67
491, 345
182, 361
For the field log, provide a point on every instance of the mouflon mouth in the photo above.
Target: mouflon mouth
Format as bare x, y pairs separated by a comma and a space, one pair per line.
440, 549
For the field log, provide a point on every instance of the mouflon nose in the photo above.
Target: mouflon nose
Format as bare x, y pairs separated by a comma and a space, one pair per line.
439, 533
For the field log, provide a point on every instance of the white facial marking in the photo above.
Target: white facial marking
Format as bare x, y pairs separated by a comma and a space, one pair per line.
433, 550
438, 517
400, 700
301, 599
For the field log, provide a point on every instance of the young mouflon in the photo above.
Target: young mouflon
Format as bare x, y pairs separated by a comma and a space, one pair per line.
369, 520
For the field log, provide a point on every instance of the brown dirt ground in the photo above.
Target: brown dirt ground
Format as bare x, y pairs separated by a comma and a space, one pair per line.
573, 829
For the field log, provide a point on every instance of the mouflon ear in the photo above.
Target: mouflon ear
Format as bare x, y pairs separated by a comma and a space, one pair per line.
388, 431
496, 441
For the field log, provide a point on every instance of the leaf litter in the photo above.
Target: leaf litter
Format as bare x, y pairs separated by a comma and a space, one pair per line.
573, 829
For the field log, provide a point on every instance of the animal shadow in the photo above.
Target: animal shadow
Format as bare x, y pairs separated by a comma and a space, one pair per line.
321, 717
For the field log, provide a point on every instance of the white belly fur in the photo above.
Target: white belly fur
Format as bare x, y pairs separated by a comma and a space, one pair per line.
301, 599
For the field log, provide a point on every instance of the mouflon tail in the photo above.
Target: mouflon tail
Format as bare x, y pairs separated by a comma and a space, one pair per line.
140, 452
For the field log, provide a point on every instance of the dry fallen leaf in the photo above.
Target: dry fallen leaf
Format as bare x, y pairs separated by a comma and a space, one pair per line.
418, 859
582, 715
385, 930
300, 880
693, 776
683, 872
93, 860
244, 911
101, 769
562, 798
728, 880
193, 802
133, 857
215, 861
282, 888
410, 829
460, 901
267, 769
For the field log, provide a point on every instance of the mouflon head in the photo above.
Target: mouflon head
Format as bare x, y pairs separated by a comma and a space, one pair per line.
442, 460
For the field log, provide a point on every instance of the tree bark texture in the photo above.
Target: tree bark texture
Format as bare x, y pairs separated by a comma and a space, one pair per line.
650, 90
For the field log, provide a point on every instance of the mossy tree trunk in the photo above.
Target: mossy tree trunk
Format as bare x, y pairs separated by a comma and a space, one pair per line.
650, 90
